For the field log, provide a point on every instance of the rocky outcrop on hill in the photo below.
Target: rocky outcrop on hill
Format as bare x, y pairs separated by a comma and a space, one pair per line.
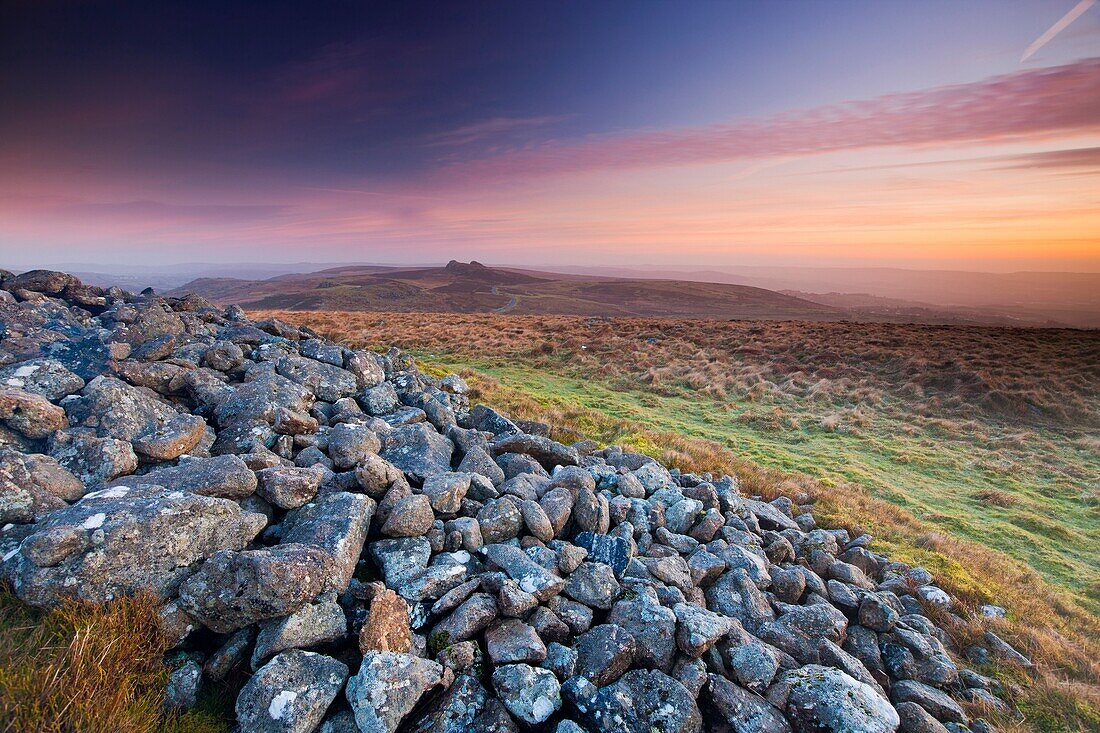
382, 557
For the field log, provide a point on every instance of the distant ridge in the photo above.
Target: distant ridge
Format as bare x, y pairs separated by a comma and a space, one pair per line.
472, 287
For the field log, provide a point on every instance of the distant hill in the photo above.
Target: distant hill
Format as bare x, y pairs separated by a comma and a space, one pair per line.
472, 287
951, 296
865, 307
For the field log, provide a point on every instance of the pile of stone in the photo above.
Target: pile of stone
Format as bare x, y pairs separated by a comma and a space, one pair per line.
377, 556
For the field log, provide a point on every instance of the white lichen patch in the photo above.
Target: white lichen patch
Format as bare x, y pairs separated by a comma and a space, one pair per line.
542, 708
95, 521
115, 492
280, 704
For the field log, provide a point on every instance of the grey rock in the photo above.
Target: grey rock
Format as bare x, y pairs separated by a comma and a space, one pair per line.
223, 356
257, 401
115, 409
768, 515
698, 629
400, 560
92, 459
235, 589
468, 620
366, 366
388, 687
594, 585
641, 701
530, 576
608, 549
184, 682
547, 452
46, 377
230, 654
744, 711
418, 450
652, 625
328, 382
336, 524
99, 548
1005, 651
380, 400
753, 665
489, 420
604, 653
454, 711
530, 693
477, 460
312, 625
225, 476
825, 699
877, 615
290, 693
936, 702
561, 660
915, 719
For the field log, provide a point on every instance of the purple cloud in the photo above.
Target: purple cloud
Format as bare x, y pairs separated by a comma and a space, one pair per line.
1028, 105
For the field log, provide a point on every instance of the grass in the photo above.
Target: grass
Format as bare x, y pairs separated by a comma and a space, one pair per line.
973, 452
970, 451
90, 669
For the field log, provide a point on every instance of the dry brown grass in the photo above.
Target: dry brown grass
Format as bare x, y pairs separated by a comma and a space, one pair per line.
995, 498
81, 668
1028, 376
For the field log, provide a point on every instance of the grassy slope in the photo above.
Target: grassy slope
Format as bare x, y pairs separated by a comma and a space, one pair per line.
938, 477
1048, 624
971, 451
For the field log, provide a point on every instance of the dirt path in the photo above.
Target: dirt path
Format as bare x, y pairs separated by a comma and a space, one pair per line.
507, 306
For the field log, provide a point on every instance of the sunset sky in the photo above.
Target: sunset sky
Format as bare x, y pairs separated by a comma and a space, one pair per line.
684, 134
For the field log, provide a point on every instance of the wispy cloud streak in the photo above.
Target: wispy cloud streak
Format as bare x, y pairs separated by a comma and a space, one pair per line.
1076, 12
1028, 105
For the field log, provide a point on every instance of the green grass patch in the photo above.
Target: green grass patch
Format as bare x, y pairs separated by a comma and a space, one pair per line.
928, 470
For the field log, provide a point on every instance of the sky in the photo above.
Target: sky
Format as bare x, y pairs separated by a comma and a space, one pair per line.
673, 134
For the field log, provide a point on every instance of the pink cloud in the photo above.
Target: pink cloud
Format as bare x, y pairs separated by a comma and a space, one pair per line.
1029, 105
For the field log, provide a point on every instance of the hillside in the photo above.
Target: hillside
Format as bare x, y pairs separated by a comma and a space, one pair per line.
475, 288
971, 450
209, 518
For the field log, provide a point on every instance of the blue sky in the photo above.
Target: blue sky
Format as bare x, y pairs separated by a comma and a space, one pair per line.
125, 127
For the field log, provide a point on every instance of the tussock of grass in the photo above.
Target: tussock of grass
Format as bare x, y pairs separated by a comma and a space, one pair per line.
993, 497
87, 669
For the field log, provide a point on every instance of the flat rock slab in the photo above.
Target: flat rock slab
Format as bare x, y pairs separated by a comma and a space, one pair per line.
235, 589
102, 547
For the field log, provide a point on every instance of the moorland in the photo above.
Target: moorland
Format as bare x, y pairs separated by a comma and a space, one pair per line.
970, 450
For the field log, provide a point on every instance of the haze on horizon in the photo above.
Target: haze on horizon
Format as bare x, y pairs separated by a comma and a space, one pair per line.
687, 135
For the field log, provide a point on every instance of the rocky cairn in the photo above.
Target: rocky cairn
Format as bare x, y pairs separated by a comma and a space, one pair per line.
381, 557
